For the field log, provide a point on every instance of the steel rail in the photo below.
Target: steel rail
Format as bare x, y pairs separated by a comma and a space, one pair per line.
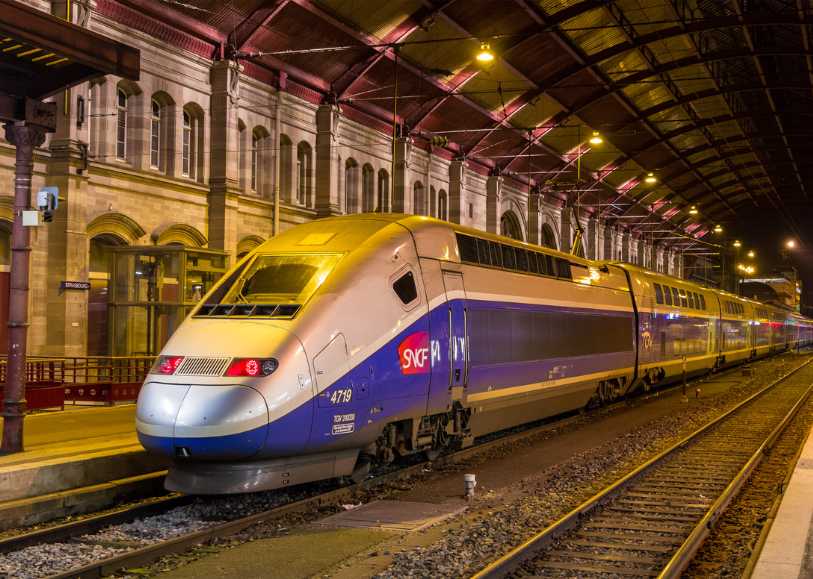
528, 550
93, 523
74, 529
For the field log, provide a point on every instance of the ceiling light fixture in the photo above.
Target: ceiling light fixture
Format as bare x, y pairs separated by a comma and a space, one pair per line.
651, 179
693, 210
485, 54
718, 228
596, 138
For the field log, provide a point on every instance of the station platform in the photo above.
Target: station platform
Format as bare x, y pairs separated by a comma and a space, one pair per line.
75, 460
788, 549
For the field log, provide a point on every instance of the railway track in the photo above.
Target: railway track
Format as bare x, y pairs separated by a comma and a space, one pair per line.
651, 522
138, 556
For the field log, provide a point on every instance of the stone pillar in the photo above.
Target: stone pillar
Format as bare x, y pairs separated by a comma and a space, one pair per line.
456, 184
565, 232
534, 217
493, 203
329, 172
609, 237
25, 138
625, 246
401, 192
68, 250
224, 181
592, 242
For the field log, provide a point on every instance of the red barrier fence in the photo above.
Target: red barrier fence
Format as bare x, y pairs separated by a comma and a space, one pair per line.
53, 382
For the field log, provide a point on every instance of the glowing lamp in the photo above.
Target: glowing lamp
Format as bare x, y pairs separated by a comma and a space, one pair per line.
596, 138
485, 54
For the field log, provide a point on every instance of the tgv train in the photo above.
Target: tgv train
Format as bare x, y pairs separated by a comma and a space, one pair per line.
363, 338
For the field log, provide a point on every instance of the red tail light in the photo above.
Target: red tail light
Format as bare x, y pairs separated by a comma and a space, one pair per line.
166, 365
252, 367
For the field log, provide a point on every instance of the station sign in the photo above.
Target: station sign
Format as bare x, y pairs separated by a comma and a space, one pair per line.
74, 285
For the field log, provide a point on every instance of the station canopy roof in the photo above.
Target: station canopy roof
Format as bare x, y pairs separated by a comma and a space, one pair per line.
710, 96
41, 55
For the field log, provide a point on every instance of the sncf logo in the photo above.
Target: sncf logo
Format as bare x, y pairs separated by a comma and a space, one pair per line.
414, 354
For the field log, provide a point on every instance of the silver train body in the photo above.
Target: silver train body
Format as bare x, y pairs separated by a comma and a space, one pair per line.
363, 338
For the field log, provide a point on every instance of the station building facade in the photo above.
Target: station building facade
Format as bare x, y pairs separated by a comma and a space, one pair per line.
165, 181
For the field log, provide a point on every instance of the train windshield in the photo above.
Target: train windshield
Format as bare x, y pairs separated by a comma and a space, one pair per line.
280, 279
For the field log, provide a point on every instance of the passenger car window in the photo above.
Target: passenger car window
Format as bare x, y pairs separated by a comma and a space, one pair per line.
482, 252
496, 253
405, 288
658, 293
468, 248
522, 260
690, 297
563, 268
667, 295
509, 260
675, 297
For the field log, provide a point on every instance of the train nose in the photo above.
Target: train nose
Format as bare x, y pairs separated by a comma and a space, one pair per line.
202, 422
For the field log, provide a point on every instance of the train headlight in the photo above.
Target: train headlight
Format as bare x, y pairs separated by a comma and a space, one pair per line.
166, 365
252, 367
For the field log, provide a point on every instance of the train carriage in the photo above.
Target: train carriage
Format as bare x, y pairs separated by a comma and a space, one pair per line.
363, 338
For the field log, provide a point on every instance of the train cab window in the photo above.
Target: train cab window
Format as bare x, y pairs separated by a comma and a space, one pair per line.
667, 295
702, 299
509, 258
404, 287
483, 254
522, 260
690, 299
658, 293
545, 264
468, 248
675, 297
563, 268
496, 253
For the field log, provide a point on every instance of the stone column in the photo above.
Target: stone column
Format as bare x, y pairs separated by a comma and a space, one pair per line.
224, 180
456, 184
401, 192
592, 233
24, 137
565, 234
625, 246
329, 173
493, 202
534, 217
66, 311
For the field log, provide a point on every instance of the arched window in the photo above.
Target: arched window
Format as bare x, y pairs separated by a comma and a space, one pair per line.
286, 167
242, 156
255, 158
304, 164
192, 143
351, 186
155, 134
418, 199
548, 237
383, 204
121, 125
188, 151
510, 226
368, 189
260, 163
443, 205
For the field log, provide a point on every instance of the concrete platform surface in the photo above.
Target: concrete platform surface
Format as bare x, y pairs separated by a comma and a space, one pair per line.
74, 461
401, 516
788, 550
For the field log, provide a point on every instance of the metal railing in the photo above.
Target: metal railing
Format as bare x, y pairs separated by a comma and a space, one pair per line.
83, 370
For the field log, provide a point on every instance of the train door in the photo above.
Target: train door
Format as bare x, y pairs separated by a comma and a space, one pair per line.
457, 346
